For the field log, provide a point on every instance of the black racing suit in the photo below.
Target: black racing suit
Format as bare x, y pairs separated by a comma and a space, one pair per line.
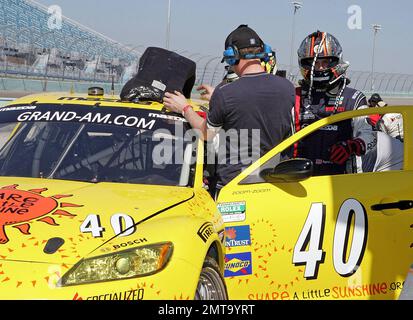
323, 103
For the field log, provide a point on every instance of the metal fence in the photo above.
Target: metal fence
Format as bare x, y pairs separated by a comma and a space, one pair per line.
211, 71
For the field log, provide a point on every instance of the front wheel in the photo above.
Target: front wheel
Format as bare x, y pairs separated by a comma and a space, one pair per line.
211, 284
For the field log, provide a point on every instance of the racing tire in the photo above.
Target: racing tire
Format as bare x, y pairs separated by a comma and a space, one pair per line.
211, 284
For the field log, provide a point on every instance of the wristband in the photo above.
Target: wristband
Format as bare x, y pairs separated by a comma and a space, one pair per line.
185, 109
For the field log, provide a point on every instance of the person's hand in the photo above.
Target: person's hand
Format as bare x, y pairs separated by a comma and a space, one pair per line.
341, 151
175, 102
206, 91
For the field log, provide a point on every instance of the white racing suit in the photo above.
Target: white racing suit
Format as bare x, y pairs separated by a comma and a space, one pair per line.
392, 124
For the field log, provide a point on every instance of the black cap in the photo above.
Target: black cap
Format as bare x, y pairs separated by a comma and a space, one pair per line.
375, 97
243, 37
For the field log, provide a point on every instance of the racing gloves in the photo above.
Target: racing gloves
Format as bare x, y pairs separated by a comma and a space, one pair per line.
341, 151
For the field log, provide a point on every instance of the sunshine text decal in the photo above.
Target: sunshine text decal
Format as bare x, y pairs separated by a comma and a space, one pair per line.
332, 293
19, 207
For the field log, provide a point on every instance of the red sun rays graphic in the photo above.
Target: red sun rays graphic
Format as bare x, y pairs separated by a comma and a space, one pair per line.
263, 234
282, 279
18, 208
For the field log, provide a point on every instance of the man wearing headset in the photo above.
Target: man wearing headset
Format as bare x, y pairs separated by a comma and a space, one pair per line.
257, 100
324, 91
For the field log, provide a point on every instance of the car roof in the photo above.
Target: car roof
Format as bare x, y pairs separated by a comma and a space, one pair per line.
89, 100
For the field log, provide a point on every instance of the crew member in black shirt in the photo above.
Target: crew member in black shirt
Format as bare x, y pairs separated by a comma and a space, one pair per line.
257, 101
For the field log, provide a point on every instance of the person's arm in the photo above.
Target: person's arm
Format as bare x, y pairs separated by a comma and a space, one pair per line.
364, 139
361, 127
176, 102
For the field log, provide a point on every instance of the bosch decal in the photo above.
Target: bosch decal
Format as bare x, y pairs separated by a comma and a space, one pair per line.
129, 243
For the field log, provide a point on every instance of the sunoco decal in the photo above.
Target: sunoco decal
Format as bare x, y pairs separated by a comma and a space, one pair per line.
237, 236
238, 264
232, 211
205, 231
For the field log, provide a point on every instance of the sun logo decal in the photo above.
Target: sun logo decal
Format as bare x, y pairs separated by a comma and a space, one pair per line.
19, 207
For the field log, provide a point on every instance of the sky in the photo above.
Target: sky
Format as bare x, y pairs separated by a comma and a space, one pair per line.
201, 27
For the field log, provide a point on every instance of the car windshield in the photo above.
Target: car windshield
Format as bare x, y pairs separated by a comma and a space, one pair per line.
98, 152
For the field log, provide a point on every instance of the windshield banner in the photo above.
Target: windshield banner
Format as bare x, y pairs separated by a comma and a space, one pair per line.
132, 118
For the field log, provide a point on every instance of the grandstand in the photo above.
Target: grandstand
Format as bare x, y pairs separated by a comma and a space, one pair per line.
30, 48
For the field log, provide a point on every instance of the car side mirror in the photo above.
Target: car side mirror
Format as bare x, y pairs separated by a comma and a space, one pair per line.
292, 170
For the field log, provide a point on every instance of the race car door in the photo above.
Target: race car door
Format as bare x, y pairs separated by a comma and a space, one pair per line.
290, 235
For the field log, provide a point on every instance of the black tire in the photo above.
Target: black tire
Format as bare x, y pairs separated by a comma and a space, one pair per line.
211, 284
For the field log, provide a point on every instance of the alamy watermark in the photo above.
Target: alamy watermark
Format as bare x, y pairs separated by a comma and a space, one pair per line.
229, 147
55, 19
355, 21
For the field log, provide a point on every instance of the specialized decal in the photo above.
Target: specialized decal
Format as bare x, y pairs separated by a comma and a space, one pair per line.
136, 294
122, 225
308, 249
19, 207
232, 211
205, 231
238, 264
237, 236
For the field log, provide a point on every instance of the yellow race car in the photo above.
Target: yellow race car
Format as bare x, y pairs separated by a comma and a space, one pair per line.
293, 235
94, 207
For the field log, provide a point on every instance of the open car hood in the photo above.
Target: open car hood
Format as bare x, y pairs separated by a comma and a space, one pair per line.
34, 211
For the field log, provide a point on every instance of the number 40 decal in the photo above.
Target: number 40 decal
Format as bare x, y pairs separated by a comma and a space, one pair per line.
122, 225
311, 238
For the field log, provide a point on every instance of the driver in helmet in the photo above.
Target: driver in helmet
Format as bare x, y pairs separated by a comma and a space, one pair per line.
324, 91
